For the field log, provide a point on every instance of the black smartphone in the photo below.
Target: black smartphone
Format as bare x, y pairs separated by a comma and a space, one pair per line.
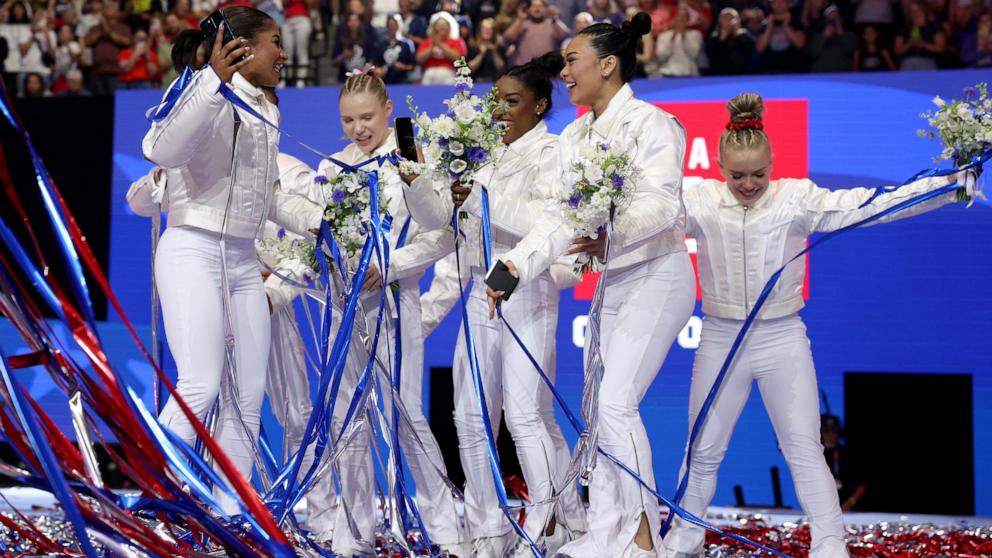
405, 139
500, 279
211, 24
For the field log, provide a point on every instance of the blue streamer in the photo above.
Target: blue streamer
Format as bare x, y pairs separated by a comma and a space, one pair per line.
697, 425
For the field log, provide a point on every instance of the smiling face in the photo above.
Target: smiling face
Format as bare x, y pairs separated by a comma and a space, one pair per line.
266, 68
524, 110
583, 71
365, 119
747, 171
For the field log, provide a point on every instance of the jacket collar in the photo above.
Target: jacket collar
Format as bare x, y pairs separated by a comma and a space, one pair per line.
356, 155
243, 86
516, 155
615, 110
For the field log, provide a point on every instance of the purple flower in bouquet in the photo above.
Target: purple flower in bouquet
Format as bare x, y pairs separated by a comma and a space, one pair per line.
601, 229
574, 199
443, 142
338, 196
970, 92
320, 179
477, 155
617, 181
281, 234
462, 88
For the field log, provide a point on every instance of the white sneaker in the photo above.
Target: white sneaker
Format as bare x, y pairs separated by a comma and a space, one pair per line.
489, 547
456, 550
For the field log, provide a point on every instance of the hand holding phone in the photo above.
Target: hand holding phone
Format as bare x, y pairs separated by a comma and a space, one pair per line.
501, 279
405, 140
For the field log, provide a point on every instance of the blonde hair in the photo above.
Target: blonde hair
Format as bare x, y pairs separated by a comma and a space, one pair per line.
745, 129
364, 82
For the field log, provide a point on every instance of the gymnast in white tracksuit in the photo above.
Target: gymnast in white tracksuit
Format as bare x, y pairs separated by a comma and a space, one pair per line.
649, 292
365, 111
519, 184
745, 229
225, 158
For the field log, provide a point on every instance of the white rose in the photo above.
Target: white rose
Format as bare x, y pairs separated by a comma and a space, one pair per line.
465, 113
458, 166
444, 126
456, 148
594, 174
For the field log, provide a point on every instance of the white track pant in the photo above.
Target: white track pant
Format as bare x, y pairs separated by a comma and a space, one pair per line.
777, 354
434, 499
512, 384
644, 308
188, 277
296, 41
288, 388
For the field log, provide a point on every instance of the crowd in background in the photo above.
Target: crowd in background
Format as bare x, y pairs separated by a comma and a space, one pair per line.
94, 47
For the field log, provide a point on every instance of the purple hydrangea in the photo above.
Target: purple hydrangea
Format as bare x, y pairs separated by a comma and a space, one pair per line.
443, 142
320, 179
462, 88
601, 229
281, 234
574, 199
477, 155
617, 181
604, 146
450, 114
338, 195
969, 92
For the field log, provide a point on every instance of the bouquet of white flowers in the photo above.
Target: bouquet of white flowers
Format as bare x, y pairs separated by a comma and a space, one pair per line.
348, 209
464, 139
290, 252
963, 126
603, 179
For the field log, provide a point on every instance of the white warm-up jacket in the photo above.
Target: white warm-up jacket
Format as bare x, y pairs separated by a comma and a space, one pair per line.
203, 139
739, 247
652, 225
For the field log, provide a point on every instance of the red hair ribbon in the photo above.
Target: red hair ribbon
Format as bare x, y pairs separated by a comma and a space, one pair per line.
754, 124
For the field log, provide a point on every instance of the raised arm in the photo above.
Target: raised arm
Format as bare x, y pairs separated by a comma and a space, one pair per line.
827, 210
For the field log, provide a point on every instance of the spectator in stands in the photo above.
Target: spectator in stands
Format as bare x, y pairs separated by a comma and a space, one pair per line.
355, 46
478, 10
730, 47
37, 50
579, 22
415, 25
296, 29
661, 14
832, 48
753, 20
35, 86
437, 53
107, 39
605, 11
871, 56
568, 9
920, 42
486, 57
397, 56
851, 485
506, 16
782, 43
67, 57
139, 64
813, 18
964, 31
700, 15
984, 40
74, 85
678, 47
15, 28
536, 31
381, 10
161, 35
878, 13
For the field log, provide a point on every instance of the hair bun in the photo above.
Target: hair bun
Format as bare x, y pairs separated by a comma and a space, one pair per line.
638, 26
746, 107
551, 62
